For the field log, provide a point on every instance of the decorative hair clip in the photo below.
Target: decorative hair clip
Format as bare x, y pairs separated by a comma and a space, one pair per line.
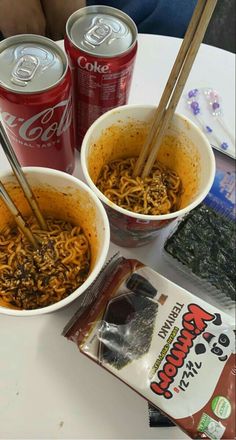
194, 107
214, 105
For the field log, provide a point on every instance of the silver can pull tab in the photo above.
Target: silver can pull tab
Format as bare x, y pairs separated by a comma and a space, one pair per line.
24, 70
97, 34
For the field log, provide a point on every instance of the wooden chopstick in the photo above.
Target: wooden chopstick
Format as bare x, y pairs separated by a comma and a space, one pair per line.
183, 76
167, 112
175, 71
17, 216
12, 159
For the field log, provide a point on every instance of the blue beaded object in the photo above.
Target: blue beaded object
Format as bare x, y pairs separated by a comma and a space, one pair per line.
194, 106
224, 146
193, 93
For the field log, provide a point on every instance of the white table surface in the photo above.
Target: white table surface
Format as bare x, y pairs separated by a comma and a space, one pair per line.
47, 388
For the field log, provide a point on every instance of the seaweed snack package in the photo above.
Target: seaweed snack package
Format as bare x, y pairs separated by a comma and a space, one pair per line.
174, 349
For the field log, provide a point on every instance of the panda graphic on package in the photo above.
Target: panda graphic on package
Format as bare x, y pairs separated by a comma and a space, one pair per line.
220, 343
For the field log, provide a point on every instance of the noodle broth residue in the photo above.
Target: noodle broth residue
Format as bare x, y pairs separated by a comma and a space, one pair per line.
159, 193
31, 279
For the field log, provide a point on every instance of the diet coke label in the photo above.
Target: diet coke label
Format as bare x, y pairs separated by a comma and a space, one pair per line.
94, 66
43, 127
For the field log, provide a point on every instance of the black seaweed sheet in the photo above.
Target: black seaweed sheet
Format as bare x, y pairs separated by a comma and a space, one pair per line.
205, 242
127, 329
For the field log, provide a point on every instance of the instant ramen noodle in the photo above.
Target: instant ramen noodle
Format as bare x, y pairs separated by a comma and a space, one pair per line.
69, 252
158, 193
139, 208
32, 278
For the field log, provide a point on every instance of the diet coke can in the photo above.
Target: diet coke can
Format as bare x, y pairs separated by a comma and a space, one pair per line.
36, 101
101, 43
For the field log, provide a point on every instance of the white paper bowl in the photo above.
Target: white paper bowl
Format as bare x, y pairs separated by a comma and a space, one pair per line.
77, 203
128, 228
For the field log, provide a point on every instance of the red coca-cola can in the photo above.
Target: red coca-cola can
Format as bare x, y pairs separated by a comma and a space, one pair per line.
36, 101
101, 43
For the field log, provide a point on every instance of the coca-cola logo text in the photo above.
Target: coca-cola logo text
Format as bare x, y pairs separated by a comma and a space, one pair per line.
43, 126
92, 67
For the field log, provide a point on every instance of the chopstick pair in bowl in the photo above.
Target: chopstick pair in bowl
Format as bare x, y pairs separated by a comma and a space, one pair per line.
11, 156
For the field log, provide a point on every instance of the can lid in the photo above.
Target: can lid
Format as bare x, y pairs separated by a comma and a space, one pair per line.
102, 31
30, 63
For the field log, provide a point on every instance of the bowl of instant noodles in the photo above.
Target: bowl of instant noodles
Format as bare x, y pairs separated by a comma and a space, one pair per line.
138, 209
71, 251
